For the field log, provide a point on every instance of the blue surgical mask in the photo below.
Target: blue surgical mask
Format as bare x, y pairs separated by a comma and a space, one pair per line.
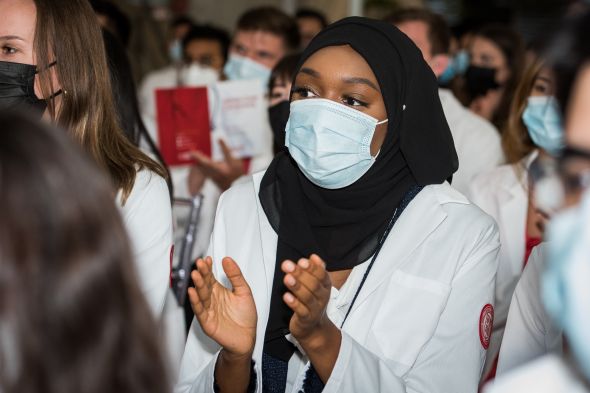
543, 121
330, 142
175, 51
240, 68
457, 66
566, 293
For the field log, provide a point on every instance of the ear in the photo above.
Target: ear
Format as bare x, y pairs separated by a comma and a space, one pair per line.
439, 64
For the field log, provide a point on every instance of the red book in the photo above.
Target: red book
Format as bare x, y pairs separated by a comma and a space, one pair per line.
183, 123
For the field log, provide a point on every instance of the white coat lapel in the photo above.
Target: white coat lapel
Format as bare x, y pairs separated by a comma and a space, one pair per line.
420, 218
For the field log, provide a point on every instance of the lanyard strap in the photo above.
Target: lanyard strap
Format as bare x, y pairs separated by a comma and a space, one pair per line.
375, 255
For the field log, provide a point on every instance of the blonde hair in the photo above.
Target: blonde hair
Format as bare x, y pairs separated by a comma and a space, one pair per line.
68, 33
516, 141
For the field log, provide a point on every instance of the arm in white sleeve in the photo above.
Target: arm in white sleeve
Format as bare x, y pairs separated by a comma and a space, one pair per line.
529, 330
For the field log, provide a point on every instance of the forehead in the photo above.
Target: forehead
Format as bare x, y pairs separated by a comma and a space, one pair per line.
203, 44
340, 61
257, 39
482, 45
414, 29
18, 18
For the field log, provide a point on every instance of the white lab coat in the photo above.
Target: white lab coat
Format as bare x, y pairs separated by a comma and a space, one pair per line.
415, 326
477, 141
148, 221
503, 194
530, 332
548, 374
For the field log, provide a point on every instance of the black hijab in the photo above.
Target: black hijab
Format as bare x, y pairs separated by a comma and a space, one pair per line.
343, 226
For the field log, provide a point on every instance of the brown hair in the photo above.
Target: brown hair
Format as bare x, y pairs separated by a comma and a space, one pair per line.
272, 20
516, 141
439, 33
68, 33
72, 316
511, 45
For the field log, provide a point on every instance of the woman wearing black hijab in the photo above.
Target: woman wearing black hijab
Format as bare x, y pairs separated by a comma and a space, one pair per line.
354, 265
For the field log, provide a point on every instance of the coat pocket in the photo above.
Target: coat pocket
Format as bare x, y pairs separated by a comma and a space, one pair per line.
408, 317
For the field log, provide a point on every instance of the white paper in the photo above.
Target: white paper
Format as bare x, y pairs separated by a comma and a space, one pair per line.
238, 114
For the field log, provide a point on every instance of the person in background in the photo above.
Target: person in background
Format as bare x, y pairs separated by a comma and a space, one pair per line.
477, 142
496, 64
279, 92
111, 18
263, 37
564, 280
310, 22
536, 326
207, 46
179, 27
534, 130
72, 315
68, 83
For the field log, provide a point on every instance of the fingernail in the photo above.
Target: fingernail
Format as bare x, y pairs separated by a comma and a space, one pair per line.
289, 298
290, 280
288, 266
304, 263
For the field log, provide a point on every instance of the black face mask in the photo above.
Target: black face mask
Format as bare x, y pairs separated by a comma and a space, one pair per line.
17, 87
480, 80
278, 115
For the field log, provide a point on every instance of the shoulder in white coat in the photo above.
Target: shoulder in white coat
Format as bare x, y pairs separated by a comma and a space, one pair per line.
148, 218
476, 140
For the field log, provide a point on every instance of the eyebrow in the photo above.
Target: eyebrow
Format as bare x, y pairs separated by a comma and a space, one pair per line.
351, 80
11, 37
542, 78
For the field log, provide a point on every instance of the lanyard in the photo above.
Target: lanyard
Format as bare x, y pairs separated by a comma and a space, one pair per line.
377, 250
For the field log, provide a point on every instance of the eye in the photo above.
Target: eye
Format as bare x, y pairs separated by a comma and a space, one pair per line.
8, 50
351, 101
303, 92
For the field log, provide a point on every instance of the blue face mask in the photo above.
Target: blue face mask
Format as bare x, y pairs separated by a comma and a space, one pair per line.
175, 51
457, 66
543, 121
240, 68
566, 293
330, 142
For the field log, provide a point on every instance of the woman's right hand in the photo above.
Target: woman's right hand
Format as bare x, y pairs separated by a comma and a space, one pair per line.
227, 316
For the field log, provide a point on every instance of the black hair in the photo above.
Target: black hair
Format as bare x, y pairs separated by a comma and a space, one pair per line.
311, 13
126, 102
208, 32
120, 21
567, 52
284, 69
181, 20
271, 20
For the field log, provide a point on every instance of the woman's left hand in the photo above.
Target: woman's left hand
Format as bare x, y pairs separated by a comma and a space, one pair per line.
310, 286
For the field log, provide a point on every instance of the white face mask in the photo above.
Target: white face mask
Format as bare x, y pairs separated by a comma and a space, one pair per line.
543, 121
330, 142
240, 67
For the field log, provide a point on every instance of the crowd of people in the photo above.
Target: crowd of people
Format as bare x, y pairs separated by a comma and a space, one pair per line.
415, 218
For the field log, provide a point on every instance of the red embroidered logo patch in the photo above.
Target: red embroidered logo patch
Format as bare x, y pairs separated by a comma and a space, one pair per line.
486, 322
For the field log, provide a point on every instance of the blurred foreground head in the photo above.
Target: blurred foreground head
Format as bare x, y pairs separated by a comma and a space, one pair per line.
72, 317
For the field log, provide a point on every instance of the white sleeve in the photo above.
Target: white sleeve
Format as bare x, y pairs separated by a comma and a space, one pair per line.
525, 337
148, 218
452, 359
